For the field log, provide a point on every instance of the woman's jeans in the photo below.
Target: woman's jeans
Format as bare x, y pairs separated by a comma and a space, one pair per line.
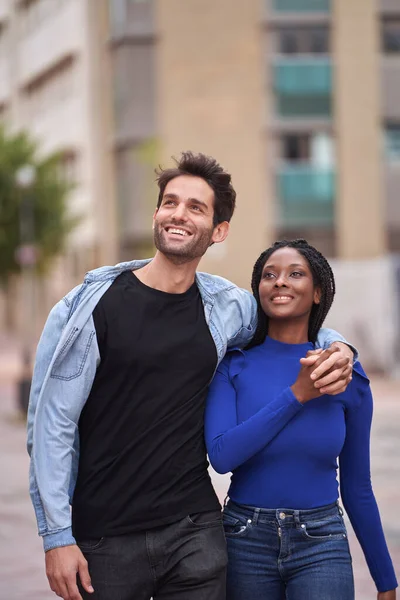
284, 553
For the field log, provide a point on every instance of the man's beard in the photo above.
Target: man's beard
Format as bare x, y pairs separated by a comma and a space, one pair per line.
179, 254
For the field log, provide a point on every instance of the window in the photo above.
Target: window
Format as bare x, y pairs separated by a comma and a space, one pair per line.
392, 142
4, 38
301, 5
296, 147
131, 16
35, 12
315, 148
303, 86
304, 40
51, 89
136, 191
306, 179
391, 36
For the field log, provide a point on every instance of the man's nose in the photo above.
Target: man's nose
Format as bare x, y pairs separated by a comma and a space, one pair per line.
180, 213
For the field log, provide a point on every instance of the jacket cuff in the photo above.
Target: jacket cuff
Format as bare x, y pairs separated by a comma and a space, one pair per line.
59, 539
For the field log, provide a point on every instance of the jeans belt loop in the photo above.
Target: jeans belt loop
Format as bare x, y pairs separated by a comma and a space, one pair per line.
296, 515
255, 516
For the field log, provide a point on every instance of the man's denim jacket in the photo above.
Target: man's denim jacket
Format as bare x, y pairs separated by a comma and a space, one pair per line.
66, 362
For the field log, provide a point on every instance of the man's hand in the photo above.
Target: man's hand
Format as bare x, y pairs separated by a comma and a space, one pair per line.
391, 595
62, 566
332, 368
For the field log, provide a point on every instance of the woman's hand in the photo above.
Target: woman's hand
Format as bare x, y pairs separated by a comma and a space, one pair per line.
332, 368
323, 372
391, 595
304, 387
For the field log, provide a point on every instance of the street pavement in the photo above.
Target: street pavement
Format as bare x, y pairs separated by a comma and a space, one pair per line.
22, 574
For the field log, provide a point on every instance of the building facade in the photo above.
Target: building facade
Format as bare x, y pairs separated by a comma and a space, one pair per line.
53, 71
298, 99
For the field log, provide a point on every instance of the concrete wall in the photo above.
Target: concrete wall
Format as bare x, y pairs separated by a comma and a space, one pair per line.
366, 310
359, 216
211, 91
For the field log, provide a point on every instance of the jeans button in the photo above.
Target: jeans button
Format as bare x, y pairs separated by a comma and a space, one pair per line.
282, 515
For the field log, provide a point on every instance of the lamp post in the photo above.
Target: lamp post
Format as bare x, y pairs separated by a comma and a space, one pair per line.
26, 256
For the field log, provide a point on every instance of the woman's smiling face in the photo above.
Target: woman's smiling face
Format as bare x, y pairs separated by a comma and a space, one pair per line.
287, 289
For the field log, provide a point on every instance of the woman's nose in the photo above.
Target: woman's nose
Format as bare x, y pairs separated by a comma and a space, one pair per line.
280, 281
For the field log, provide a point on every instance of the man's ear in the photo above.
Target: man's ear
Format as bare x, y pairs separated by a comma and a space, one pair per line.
220, 232
317, 295
154, 217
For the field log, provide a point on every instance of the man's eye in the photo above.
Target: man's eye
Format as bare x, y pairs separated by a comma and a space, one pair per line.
197, 208
168, 202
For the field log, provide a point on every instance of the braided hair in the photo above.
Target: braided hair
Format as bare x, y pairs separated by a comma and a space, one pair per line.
322, 276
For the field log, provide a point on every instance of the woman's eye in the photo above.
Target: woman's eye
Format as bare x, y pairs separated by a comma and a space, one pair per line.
268, 275
297, 273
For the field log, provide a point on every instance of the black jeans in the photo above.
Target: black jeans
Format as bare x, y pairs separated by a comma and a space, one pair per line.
183, 561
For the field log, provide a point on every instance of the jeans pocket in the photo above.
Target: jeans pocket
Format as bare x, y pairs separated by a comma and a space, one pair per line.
234, 527
91, 544
208, 518
326, 529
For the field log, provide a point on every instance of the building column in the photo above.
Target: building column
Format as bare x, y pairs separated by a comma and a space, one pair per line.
360, 215
102, 132
210, 99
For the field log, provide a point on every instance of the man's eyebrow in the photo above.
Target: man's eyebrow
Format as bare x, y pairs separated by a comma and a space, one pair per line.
171, 196
196, 201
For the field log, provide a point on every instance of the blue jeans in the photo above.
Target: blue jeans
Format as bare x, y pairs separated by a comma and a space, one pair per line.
285, 553
185, 560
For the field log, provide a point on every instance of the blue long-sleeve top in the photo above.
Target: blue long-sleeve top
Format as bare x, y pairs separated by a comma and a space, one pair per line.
283, 454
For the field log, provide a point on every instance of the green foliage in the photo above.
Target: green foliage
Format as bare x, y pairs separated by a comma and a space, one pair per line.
48, 198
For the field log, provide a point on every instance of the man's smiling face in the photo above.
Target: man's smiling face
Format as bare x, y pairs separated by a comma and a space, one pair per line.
183, 224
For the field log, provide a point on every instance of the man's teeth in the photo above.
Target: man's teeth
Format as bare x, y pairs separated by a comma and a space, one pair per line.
178, 231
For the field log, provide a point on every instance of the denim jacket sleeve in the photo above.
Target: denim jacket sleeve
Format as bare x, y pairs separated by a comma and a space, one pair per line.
246, 318
54, 408
326, 337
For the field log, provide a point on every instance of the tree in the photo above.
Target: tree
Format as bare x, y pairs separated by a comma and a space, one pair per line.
47, 197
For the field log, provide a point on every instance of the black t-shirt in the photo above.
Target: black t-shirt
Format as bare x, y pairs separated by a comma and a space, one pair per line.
142, 453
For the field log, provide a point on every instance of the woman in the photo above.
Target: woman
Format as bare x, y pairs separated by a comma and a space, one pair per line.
268, 424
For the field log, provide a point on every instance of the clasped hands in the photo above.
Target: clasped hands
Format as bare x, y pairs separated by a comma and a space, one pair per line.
324, 372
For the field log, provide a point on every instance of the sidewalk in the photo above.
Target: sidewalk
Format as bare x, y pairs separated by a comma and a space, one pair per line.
21, 556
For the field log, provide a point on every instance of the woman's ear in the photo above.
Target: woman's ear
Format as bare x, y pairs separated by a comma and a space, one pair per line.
317, 295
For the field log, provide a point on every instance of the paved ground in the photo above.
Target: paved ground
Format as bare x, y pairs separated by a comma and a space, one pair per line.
21, 556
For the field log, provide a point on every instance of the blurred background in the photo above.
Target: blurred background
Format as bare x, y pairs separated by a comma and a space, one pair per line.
298, 99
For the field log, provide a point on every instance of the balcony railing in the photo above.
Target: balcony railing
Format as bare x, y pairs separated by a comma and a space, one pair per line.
303, 77
306, 195
303, 86
302, 6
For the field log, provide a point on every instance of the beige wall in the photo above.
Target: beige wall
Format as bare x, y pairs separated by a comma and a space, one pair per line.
360, 215
210, 90
365, 311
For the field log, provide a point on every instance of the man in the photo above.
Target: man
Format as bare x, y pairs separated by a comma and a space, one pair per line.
116, 410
